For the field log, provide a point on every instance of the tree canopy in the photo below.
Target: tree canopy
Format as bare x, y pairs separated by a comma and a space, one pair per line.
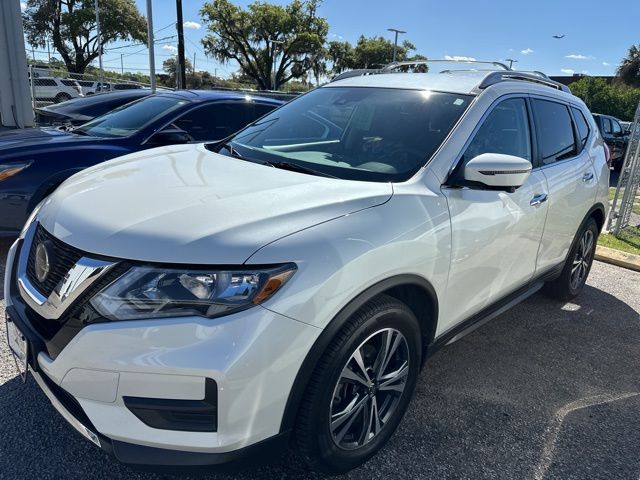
629, 69
71, 26
617, 100
247, 36
373, 52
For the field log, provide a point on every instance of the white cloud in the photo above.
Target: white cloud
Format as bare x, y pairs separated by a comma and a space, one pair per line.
605, 64
567, 71
574, 56
170, 48
459, 58
23, 6
526, 51
192, 25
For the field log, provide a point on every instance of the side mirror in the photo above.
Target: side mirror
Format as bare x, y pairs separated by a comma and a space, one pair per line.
497, 171
169, 136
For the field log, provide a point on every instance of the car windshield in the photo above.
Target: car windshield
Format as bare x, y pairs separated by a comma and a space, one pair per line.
131, 118
357, 133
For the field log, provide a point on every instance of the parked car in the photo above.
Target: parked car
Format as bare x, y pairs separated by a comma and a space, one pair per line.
80, 110
626, 127
110, 87
196, 304
56, 90
615, 136
34, 162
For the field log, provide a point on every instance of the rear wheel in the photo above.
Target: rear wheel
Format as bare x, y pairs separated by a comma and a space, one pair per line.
361, 387
578, 265
62, 97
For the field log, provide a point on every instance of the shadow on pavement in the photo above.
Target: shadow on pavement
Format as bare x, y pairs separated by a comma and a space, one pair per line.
483, 408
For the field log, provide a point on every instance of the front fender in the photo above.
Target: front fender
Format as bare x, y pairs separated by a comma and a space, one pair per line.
340, 259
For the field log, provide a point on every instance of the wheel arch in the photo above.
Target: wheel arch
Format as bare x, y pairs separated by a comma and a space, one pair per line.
597, 212
415, 291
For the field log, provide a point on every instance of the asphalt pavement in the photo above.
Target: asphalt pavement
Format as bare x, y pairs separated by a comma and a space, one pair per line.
546, 390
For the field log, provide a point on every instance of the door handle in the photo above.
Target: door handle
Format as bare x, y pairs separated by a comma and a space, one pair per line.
538, 200
587, 177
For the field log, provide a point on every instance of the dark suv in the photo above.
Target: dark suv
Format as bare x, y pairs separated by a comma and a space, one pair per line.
614, 136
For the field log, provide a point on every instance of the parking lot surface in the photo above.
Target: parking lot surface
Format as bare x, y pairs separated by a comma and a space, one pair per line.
546, 390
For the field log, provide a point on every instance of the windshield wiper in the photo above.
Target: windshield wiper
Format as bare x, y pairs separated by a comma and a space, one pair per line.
294, 167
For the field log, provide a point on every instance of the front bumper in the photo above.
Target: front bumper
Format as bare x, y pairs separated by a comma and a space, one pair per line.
253, 358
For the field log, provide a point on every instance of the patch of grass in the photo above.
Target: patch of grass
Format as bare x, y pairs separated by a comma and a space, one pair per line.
628, 240
612, 193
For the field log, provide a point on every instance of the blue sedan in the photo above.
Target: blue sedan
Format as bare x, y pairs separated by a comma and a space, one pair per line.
34, 162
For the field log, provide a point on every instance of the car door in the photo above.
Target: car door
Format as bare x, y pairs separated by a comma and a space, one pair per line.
495, 234
570, 175
215, 121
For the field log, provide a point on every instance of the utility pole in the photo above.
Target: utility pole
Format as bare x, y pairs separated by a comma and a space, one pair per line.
48, 51
511, 62
194, 70
273, 61
99, 40
181, 63
395, 43
121, 65
150, 46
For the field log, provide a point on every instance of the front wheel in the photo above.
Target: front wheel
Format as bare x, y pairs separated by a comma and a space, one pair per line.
578, 265
361, 387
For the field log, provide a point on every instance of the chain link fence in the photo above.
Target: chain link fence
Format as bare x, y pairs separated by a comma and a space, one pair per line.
626, 196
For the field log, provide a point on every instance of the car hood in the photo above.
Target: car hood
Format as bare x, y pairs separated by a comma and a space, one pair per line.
185, 204
11, 139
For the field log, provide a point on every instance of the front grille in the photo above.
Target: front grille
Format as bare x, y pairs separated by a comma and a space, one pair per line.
63, 258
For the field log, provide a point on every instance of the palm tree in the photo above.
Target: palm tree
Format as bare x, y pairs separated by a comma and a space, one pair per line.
629, 69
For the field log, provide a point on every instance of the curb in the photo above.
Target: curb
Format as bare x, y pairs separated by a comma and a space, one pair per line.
618, 258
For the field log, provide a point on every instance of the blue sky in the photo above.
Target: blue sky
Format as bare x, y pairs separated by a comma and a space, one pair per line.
598, 33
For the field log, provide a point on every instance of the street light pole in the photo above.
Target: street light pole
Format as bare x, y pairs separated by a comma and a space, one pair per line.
395, 43
150, 45
98, 40
511, 62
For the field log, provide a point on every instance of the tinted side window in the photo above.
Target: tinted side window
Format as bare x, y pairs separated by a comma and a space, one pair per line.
69, 83
505, 130
215, 121
615, 127
606, 125
555, 131
45, 82
261, 109
583, 126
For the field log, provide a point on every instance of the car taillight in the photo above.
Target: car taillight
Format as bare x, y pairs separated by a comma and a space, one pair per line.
607, 154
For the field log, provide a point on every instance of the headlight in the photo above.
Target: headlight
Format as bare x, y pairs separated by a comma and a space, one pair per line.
151, 292
10, 169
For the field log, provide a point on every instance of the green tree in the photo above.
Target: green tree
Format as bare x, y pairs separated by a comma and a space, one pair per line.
617, 100
246, 37
170, 65
71, 25
629, 68
373, 52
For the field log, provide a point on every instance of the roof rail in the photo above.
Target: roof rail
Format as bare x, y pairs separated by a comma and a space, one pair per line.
497, 77
356, 73
393, 66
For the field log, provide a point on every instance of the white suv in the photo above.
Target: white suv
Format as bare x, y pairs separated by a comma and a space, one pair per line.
56, 90
192, 304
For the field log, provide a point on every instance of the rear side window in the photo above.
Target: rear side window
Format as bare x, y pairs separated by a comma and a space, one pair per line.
505, 131
69, 83
215, 121
582, 125
555, 131
45, 82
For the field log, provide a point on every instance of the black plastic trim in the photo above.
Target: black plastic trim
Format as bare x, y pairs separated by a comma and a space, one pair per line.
181, 415
321, 344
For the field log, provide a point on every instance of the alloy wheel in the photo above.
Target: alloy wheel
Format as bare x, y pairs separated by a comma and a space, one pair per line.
369, 389
582, 259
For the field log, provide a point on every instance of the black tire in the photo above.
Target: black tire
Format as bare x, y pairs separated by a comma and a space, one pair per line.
62, 97
567, 286
382, 320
